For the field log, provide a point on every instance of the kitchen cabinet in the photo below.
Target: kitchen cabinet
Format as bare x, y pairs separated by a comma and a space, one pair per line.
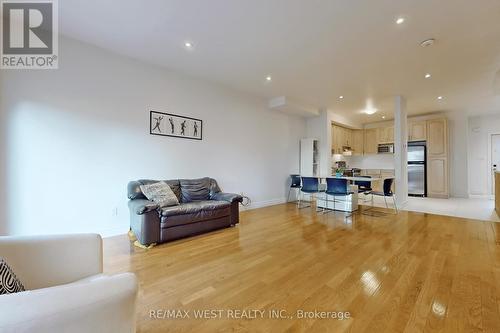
371, 141
417, 130
337, 137
357, 142
385, 134
437, 179
437, 158
347, 137
437, 137
341, 137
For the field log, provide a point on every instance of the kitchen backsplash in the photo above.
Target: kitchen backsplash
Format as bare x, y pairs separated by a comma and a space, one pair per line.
380, 161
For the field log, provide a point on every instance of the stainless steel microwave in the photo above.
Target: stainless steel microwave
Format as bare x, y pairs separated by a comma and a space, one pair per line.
386, 148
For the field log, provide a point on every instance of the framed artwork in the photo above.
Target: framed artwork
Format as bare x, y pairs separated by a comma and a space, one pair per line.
167, 124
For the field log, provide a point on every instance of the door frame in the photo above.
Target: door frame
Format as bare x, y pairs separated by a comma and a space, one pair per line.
491, 191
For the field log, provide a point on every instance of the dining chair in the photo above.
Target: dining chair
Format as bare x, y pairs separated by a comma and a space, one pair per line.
387, 192
294, 184
364, 186
310, 186
336, 187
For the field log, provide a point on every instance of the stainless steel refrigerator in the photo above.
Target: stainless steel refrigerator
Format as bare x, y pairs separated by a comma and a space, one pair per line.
417, 169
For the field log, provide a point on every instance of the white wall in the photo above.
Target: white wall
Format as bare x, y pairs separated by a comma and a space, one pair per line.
457, 132
3, 166
78, 134
479, 148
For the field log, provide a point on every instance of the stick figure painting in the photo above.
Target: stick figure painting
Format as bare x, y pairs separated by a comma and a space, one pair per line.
167, 124
157, 124
195, 126
172, 126
183, 128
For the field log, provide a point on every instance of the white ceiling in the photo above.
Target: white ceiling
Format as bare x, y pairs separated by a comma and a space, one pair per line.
315, 50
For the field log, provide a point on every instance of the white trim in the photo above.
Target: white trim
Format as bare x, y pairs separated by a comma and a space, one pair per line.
482, 196
260, 204
489, 181
106, 233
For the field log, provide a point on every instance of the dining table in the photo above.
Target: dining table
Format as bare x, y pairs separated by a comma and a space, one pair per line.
349, 203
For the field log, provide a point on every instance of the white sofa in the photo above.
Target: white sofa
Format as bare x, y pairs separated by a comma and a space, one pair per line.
67, 291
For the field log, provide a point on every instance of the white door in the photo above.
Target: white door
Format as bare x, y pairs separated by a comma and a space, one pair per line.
495, 158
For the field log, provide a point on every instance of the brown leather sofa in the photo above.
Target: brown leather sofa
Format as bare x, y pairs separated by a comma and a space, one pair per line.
203, 207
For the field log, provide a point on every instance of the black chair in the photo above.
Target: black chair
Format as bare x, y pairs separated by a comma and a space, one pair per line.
336, 187
364, 186
295, 184
310, 186
387, 193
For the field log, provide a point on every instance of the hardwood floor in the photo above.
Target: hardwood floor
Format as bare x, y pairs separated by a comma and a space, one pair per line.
410, 272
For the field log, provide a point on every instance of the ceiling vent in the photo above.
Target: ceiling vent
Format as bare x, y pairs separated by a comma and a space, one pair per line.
428, 42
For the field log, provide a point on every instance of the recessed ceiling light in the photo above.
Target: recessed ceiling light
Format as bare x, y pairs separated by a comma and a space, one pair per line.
440, 97
427, 76
370, 111
188, 45
269, 78
400, 20
341, 97
383, 117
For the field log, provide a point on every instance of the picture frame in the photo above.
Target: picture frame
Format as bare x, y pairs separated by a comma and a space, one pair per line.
174, 125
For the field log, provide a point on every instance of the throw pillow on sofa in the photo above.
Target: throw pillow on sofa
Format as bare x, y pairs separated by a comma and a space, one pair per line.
9, 283
160, 193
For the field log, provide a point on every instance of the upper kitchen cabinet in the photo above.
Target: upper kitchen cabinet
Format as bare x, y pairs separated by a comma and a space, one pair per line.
371, 141
417, 130
357, 142
347, 139
337, 139
341, 137
385, 134
437, 137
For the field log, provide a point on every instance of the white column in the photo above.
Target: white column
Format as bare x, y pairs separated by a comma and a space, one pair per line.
401, 149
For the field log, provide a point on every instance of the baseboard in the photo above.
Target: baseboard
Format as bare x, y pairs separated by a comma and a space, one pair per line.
112, 232
481, 196
261, 204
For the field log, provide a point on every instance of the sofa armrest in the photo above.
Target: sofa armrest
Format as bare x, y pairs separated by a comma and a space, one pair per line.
229, 197
106, 304
142, 206
46, 261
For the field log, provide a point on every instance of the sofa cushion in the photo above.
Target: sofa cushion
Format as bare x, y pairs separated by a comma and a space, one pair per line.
134, 188
195, 189
160, 193
194, 212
